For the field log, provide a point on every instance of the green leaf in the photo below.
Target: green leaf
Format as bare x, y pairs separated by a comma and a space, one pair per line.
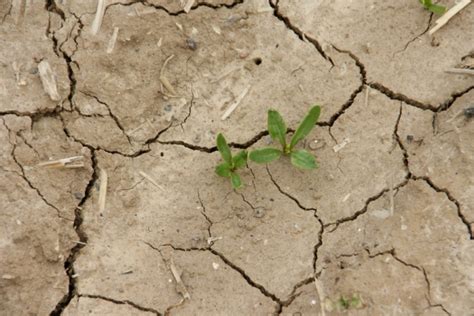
224, 149
223, 170
306, 126
277, 127
240, 159
437, 9
303, 160
265, 155
235, 179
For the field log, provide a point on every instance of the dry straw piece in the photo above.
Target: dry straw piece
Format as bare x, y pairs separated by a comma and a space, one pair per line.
236, 103
66, 163
99, 15
181, 287
113, 40
448, 15
188, 6
48, 80
102, 190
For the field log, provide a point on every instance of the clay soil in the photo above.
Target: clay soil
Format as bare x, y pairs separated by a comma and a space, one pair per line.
386, 221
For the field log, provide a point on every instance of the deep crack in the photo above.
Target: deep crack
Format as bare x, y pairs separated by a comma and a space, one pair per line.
69, 263
122, 302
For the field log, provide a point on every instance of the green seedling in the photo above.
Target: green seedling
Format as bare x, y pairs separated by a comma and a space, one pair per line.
228, 168
435, 8
277, 130
349, 303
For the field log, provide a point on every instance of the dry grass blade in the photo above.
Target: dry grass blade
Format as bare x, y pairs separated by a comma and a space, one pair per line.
236, 103
66, 163
102, 190
113, 40
165, 80
99, 15
48, 80
181, 287
448, 15
460, 71
151, 180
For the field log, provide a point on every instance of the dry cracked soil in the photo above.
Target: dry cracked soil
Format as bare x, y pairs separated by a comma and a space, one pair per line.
383, 227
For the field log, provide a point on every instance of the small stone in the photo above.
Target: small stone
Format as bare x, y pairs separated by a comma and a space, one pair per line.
316, 144
469, 112
33, 70
259, 212
410, 138
78, 195
168, 107
215, 265
191, 43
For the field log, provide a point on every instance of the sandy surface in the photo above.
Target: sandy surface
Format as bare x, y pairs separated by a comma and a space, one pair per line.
385, 223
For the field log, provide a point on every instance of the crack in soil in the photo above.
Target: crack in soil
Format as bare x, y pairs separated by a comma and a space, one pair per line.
298, 32
252, 283
23, 175
425, 275
320, 233
122, 302
450, 197
229, 263
203, 213
416, 37
180, 12
69, 263
111, 114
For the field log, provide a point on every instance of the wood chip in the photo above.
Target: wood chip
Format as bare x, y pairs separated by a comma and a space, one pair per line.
236, 103
150, 179
448, 15
48, 79
188, 6
113, 40
460, 71
102, 190
66, 163
99, 15
181, 287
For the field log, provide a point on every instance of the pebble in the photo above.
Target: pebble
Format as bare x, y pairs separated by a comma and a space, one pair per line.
78, 195
191, 43
469, 112
259, 212
168, 107
316, 144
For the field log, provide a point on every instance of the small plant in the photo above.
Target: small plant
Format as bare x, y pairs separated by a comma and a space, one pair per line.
277, 130
349, 303
228, 168
435, 8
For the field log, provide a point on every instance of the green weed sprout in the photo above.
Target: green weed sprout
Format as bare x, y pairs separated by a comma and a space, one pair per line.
277, 130
228, 168
435, 8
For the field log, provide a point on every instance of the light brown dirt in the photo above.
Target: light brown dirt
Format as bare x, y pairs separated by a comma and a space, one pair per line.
386, 220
